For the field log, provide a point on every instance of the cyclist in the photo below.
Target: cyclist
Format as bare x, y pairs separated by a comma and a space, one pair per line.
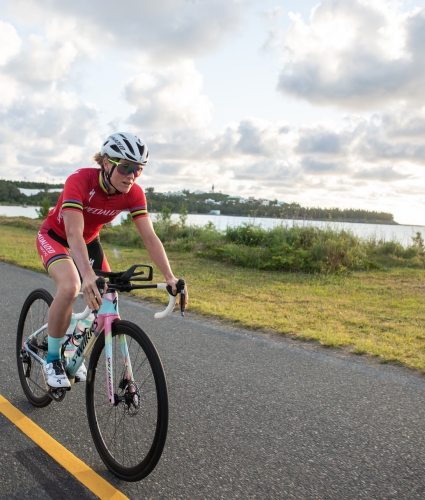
91, 198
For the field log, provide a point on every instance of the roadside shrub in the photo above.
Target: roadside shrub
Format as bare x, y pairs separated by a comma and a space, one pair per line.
306, 249
297, 248
43, 211
393, 254
123, 235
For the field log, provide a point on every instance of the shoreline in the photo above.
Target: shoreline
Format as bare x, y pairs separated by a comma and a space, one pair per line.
348, 221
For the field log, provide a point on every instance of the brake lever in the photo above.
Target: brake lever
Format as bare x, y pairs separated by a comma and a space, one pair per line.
100, 283
182, 299
180, 289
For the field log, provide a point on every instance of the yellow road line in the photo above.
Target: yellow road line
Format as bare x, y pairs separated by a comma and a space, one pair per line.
70, 462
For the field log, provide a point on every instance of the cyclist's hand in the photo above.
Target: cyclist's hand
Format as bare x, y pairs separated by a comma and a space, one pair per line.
172, 283
91, 292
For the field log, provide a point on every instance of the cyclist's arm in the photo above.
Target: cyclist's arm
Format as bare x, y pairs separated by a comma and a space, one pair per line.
156, 251
74, 227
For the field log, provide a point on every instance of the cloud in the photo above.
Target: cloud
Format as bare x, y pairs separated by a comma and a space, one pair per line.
275, 33
357, 55
53, 131
374, 150
166, 29
313, 166
39, 63
61, 115
391, 137
261, 138
278, 158
42, 63
168, 98
10, 42
321, 141
383, 174
407, 124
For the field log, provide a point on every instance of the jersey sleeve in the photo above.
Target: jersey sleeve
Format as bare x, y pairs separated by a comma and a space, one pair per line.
138, 206
72, 193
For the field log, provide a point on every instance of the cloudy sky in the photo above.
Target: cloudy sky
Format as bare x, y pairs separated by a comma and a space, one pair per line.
317, 103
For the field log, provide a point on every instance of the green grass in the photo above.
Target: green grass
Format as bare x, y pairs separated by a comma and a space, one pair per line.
375, 312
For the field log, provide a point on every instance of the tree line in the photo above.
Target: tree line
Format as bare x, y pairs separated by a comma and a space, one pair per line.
10, 194
203, 204
200, 204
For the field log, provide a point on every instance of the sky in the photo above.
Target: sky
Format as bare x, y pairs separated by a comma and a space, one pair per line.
318, 103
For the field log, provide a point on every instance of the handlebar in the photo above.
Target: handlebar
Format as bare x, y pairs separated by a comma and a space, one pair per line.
169, 309
121, 282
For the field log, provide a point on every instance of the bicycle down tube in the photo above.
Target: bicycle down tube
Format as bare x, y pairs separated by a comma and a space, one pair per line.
102, 322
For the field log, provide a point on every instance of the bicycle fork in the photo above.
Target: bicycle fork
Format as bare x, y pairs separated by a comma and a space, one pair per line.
127, 376
108, 313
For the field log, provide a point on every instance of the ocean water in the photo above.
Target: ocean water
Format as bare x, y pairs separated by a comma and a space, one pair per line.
401, 233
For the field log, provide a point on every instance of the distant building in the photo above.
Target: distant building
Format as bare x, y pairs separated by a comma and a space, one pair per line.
174, 193
215, 212
198, 191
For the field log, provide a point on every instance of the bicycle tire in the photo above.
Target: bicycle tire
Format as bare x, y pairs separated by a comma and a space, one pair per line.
33, 316
129, 439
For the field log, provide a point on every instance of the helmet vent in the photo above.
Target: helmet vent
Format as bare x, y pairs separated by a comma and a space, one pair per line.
130, 147
141, 149
130, 157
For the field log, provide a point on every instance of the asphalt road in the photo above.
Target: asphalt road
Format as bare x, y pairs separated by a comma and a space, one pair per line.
251, 417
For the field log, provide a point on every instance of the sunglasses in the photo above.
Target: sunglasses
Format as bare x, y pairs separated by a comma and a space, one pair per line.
127, 168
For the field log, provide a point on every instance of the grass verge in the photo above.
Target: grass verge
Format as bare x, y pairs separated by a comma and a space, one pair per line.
379, 313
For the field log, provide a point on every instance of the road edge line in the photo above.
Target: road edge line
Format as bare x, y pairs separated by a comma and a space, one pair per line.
82, 472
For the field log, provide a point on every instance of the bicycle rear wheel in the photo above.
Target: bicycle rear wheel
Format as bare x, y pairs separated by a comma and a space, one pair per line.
33, 316
130, 435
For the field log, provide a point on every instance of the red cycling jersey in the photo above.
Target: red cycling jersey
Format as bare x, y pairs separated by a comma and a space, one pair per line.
86, 192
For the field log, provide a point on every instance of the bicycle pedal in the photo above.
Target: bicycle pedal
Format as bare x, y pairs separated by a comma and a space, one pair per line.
58, 395
57, 389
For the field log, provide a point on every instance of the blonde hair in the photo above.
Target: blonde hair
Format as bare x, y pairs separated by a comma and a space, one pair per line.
98, 158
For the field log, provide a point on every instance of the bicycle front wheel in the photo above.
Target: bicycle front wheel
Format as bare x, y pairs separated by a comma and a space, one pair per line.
130, 434
33, 316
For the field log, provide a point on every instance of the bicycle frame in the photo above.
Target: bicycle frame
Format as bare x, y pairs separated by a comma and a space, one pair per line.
102, 322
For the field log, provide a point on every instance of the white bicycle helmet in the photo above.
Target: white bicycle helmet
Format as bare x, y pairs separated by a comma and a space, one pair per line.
125, 146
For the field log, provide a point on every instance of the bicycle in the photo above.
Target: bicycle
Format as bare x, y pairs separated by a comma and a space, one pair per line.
128, 409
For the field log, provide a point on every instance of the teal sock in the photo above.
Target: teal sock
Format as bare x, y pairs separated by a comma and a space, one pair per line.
55, 346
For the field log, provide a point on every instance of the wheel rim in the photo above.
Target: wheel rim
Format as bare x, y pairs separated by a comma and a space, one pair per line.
30, 370
127, 429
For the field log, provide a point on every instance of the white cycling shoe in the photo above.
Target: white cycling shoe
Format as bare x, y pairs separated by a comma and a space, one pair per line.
81, 374
55, 375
